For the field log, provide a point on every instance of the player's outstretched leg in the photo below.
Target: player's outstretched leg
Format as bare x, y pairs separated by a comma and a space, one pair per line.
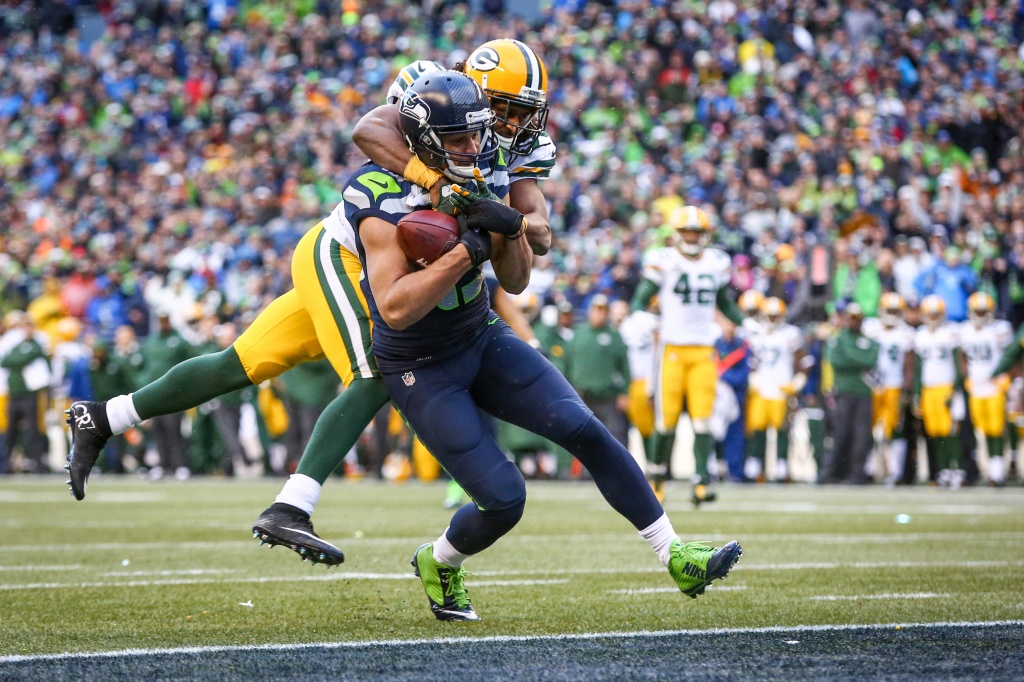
694, 565
90, 431
288, 526
445, 586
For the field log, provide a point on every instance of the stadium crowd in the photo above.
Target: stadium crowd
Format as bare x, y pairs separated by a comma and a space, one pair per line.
154, 181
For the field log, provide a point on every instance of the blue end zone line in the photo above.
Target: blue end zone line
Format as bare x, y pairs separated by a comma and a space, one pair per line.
501, 639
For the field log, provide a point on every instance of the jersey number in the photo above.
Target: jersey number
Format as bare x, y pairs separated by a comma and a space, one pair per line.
705, 291
894, 354
978, 352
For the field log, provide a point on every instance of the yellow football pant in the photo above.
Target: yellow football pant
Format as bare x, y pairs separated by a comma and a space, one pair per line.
640, 412
324, 315
886, 410
938, 423
989, 414
763, 413
685, 372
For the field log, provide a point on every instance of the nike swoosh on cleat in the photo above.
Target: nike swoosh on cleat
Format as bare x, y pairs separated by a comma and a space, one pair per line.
309, 535
460, 614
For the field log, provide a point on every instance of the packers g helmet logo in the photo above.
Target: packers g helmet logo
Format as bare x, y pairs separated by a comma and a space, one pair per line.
484, 59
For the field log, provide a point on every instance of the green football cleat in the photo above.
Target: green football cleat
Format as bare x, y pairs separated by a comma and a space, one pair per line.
445, 586
694, 565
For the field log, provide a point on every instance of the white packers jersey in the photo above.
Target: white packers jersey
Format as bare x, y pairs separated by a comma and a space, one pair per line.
407, 76
894, 342
687, 291
773, 353
537, 164
983, 348
935, 348
638, 333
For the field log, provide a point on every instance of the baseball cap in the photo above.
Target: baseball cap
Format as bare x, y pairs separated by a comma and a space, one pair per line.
599, 301
565, 307
853, 309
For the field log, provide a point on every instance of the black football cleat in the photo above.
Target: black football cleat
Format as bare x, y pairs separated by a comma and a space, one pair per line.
288, 526
90, 431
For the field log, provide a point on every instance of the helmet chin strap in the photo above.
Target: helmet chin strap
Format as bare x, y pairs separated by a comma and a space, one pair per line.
504, 142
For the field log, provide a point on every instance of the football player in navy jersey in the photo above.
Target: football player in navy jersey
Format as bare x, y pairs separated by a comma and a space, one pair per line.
443, 354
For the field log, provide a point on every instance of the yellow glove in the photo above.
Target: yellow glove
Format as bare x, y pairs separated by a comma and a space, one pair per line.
968, 386
1002, 382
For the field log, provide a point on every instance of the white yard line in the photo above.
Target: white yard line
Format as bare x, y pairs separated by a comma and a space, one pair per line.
502, 639
858, 597
625, 570
672, 590
822, 538
56, 567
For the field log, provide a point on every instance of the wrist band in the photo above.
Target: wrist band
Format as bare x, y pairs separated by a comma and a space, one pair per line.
521, 232
416, 171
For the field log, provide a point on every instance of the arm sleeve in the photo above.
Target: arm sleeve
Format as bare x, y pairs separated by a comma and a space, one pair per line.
645, 291
1011, 355
728, 306
917, 375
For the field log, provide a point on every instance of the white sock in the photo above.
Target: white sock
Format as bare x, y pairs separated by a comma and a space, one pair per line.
752, 467
781, 469
660, 535
300, 491
446, 554
121, 414
996, 470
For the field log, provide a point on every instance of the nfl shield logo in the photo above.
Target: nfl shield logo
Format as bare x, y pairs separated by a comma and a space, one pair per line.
409, 379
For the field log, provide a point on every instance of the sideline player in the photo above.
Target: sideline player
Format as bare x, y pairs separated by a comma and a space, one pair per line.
639, 331
691, 281
983, 340
936, 377
778, 355
443, 355
895, 371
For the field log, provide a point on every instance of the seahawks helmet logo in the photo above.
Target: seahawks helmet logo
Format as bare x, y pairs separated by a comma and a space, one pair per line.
484, 59
414, 107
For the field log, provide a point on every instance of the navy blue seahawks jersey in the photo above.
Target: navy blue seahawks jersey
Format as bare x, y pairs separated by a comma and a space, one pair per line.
456, 320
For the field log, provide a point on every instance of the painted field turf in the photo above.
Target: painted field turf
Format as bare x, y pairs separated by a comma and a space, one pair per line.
164, 566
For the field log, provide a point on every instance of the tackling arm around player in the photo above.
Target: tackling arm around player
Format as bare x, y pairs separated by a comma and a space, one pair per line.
515, 80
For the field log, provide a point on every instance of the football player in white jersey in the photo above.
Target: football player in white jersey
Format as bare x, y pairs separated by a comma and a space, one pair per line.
895, 372
691, 282
639, 332
936, 377
515, 80
777, 352
983, 340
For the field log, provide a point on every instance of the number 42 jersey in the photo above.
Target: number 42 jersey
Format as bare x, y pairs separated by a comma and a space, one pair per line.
687, 293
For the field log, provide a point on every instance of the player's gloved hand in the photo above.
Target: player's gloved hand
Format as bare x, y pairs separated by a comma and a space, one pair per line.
968, 385
915, 406
447, 201
1002, 382
478, 243
485, 211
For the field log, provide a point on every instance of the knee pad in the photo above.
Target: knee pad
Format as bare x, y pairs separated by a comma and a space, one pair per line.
701, 426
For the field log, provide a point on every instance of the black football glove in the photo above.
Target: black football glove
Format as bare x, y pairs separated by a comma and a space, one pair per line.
478, 243
485, 211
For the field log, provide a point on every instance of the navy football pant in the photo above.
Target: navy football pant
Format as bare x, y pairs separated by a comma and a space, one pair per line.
503, 375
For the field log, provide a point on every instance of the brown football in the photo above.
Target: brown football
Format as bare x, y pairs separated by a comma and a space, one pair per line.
427, 235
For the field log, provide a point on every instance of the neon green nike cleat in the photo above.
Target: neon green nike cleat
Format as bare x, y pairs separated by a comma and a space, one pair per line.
694, 565
445, 586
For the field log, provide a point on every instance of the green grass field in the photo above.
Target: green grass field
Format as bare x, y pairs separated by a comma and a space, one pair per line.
163, 565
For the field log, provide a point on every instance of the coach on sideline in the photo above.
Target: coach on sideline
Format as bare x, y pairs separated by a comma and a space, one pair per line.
852, 356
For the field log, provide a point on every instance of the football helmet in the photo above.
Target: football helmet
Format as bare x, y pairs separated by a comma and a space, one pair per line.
514, 77
980, 309
773, 310
933, 310
436, 105
890, 308
690, 220
408, 75
750, 302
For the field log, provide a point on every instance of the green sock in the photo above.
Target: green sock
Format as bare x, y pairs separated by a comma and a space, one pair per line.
995, 445
661, 451
782, 444
340, 426
1012, 436
817, 429
702, 444
757, 443
649, 447
191, 383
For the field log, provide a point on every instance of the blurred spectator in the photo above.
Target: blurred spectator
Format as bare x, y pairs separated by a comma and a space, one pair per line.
23, 357
164, 349
951, 280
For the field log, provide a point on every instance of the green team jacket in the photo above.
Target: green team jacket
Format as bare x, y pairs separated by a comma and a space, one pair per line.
852, 356
598, 367
314, 384
16, 360
162, 352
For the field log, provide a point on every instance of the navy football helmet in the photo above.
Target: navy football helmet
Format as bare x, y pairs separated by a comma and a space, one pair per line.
447, 103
